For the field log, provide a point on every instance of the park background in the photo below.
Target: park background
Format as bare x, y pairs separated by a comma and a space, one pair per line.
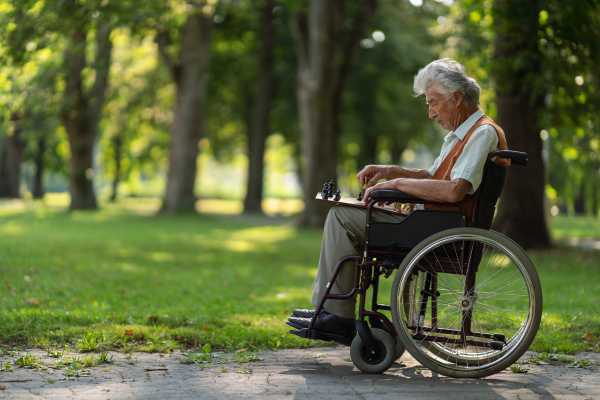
159, 160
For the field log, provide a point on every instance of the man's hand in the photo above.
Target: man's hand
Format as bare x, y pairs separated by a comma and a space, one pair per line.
387, 185
371, 174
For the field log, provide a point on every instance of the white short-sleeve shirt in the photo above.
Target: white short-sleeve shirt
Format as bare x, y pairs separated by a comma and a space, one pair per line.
470, 163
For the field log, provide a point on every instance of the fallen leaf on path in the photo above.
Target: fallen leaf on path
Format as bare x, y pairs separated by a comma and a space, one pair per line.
164, 355
2, 387
129, 332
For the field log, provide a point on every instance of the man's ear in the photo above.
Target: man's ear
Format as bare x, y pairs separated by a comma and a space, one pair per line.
457, 97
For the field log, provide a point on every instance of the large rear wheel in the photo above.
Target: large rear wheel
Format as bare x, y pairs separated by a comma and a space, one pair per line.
464, 323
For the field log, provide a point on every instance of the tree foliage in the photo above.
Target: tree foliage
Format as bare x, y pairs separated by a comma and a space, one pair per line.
114, 70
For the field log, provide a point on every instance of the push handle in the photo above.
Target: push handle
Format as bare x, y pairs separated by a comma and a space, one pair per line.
516, 157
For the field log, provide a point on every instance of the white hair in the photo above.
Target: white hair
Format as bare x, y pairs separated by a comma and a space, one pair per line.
447, 76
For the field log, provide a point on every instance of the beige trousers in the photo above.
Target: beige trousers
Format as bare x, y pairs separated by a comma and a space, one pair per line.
343, 235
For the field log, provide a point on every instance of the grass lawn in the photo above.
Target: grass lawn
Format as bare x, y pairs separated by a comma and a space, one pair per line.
121, 278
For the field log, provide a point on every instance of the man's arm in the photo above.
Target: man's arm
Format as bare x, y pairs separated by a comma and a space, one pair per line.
374, 173
426, 189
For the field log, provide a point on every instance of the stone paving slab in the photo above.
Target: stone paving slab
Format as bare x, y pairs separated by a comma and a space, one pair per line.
317, 373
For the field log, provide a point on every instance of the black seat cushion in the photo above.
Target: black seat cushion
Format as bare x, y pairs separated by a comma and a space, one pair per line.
417, 226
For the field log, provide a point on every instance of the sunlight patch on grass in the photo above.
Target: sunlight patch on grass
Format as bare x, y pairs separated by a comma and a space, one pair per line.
57, 199
161, 256
11, 205
11, 228
241, 246
219, 206
282, 207
129, 267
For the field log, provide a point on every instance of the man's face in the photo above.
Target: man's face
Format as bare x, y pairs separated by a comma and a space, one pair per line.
442, 110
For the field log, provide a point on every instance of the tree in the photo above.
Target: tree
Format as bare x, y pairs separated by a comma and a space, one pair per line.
538, 54
381, 118
189, 72
521, 214
326, 52
75, 26
570, 41
542, 51
259, 126
12, 155
82, 109
137, 120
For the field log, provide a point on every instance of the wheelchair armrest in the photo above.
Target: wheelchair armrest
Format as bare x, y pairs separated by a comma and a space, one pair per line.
395, 196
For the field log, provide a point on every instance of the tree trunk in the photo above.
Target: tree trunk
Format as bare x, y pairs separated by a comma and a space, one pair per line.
38, 176
521, 214
81, 113
190, 74
261, 112
325, 62
12, 157
118, 152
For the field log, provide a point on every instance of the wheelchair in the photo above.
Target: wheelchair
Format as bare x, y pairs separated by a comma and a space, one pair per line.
466, 302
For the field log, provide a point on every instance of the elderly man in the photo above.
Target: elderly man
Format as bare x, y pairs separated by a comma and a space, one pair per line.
453, 100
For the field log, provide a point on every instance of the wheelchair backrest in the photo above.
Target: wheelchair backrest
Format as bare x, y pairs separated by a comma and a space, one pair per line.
488, 194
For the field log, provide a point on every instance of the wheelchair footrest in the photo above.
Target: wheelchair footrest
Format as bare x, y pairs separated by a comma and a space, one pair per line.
317, 335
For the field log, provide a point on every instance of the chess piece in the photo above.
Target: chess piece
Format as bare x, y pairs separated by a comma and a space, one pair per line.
324, 191
338, 195
331, 184
360, 196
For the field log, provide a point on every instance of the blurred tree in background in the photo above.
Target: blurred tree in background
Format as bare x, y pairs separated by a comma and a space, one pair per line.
81, 32
538, 54
124, 97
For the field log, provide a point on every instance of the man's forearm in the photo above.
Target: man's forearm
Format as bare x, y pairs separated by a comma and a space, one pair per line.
426, 189
396, 172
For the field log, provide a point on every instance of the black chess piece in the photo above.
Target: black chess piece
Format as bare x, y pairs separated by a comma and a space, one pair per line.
331, 184
324, 191
360, 196
338, 195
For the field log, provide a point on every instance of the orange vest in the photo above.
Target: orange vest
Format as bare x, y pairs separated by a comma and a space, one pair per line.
445, 168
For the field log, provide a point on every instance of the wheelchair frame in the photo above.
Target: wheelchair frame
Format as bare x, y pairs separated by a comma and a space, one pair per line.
463, 351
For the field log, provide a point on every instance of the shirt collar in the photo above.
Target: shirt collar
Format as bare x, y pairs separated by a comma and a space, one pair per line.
466, 126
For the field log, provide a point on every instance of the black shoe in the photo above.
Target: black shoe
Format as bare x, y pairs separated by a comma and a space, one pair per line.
328, 324
303, 313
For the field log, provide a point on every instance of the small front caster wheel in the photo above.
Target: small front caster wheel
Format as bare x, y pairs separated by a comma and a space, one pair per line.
381, 359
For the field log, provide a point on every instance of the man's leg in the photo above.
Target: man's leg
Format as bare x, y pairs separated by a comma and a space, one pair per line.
343, 235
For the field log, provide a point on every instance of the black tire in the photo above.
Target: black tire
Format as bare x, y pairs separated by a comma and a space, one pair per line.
399, 349
376, 363
505, 303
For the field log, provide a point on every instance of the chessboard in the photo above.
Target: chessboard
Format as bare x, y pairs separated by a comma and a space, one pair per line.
327, 195
353, 202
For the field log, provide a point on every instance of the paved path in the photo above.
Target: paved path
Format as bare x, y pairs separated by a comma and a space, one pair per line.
318, 373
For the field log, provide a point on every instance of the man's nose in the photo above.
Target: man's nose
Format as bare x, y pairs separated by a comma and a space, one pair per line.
432, 113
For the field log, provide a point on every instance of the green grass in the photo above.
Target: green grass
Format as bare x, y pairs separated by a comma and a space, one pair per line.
123, 279
579, 226
113, 279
